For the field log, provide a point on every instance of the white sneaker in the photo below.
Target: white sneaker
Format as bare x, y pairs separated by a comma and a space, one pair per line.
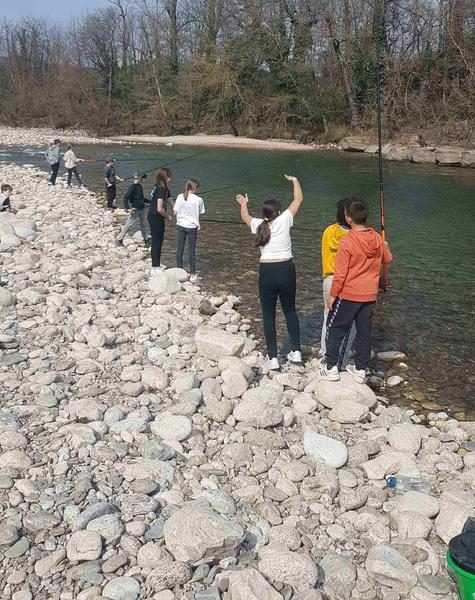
273, 364
295, 357
326, 374
359, 375
321, 362
156, 270
194, 278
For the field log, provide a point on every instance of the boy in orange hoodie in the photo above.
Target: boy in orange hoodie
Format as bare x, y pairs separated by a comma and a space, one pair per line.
354, 291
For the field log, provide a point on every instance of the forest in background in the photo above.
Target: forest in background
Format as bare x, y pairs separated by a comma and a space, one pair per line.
302, 69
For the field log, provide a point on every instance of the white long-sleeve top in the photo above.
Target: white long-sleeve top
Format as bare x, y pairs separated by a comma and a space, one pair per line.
70, 160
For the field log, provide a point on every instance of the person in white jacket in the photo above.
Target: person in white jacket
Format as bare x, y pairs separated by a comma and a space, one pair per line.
70, 162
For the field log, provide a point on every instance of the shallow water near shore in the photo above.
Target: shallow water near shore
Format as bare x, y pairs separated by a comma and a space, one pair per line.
430, 219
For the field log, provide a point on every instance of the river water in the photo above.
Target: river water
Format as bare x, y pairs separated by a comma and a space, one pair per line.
430, 220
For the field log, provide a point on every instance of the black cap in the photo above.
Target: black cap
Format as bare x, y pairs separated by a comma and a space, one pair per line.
462, 548
140, 175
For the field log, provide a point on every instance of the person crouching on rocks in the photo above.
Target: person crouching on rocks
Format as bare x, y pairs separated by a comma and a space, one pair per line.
70, 162
188, 208
134, 197
277, 275
353, 292
52, 156
6, 192
160, 200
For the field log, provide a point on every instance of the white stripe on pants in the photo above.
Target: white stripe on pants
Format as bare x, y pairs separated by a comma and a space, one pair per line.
327, 284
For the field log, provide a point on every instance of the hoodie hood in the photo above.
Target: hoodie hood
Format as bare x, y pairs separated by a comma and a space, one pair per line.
368, 240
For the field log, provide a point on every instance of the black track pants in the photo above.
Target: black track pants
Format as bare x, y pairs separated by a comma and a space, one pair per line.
339, 321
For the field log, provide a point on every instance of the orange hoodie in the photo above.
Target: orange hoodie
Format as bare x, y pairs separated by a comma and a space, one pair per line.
358, 266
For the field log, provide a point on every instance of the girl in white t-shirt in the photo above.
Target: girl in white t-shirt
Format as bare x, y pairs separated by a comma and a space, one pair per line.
188, 208
277, 276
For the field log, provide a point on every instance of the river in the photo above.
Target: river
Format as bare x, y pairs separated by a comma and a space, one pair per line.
430, 220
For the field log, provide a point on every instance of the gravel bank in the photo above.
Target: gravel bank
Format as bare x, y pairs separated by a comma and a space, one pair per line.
146, 453
34, 137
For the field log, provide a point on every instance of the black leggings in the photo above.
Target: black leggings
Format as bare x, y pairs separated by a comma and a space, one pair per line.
54, 173
339, 321
278, 280
157, 230
111, 192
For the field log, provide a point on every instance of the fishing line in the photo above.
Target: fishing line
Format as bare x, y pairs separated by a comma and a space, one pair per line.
174, 162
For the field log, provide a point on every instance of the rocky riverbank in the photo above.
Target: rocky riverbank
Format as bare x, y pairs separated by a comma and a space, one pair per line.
42, 137
412, 151
145, 452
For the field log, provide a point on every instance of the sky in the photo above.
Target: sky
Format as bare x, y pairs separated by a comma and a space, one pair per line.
53, 10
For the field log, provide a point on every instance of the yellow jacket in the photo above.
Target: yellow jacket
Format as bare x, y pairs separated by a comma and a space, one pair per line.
331, 239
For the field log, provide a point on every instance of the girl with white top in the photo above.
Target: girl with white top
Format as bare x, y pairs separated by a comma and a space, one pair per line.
188, 208
277, 276
70, 162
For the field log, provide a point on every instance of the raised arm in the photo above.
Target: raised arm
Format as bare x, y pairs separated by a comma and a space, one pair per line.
298, 195
242, 201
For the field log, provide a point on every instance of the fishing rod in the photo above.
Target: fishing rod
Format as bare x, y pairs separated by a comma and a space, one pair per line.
174, 162
384, 282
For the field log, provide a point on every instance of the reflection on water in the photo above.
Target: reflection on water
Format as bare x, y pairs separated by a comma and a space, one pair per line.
430, 218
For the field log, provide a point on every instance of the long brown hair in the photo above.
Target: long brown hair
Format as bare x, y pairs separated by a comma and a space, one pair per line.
191, 184
270, 211
163, 175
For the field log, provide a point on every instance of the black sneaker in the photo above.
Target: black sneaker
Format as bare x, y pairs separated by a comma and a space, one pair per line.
119, 243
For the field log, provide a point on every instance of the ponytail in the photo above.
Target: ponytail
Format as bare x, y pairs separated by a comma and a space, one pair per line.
191, 186
270, 211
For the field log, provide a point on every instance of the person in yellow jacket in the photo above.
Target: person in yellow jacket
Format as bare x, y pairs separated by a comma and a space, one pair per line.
331, 239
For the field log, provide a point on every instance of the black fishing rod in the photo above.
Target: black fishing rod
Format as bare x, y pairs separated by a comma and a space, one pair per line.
379, 30
174, 162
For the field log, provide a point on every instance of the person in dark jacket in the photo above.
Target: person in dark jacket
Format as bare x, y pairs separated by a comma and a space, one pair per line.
134, 204
111, 178
52, 156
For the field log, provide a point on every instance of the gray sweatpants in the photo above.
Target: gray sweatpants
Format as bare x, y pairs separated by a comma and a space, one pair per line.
347, 343
136, 217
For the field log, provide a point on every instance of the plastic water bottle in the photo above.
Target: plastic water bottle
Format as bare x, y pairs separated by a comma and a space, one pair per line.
403, 483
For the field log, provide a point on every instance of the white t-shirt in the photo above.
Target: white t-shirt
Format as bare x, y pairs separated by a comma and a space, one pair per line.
188, 211
280, 243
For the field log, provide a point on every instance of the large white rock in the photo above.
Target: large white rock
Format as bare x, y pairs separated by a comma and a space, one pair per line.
197, 532
179, 274
122, 588
277, 563
325, 449
234, 383
7, 298
451, 520
347, 411
164, 283
171, 427
84, 545
154, 378
417, 502
391, 463
411, 525
257, 411
388, 567
330, 393
216, 344
248, 584
338, 575
405, 438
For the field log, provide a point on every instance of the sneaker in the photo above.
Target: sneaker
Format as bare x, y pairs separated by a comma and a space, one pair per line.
119, 243
326, 374
194, 278
273, 364
359, 375
156, 270
322, 362
295, 357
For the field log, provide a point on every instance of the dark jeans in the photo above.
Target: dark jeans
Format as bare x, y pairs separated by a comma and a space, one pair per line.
183, 234
54, 173
157, 231
340, 319
278, 281
74, 172
111, 194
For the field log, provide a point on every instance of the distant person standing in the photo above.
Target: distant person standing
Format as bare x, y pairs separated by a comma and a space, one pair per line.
158, 215
52, 156
111, 179
70, 162
188, 208
134, 197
